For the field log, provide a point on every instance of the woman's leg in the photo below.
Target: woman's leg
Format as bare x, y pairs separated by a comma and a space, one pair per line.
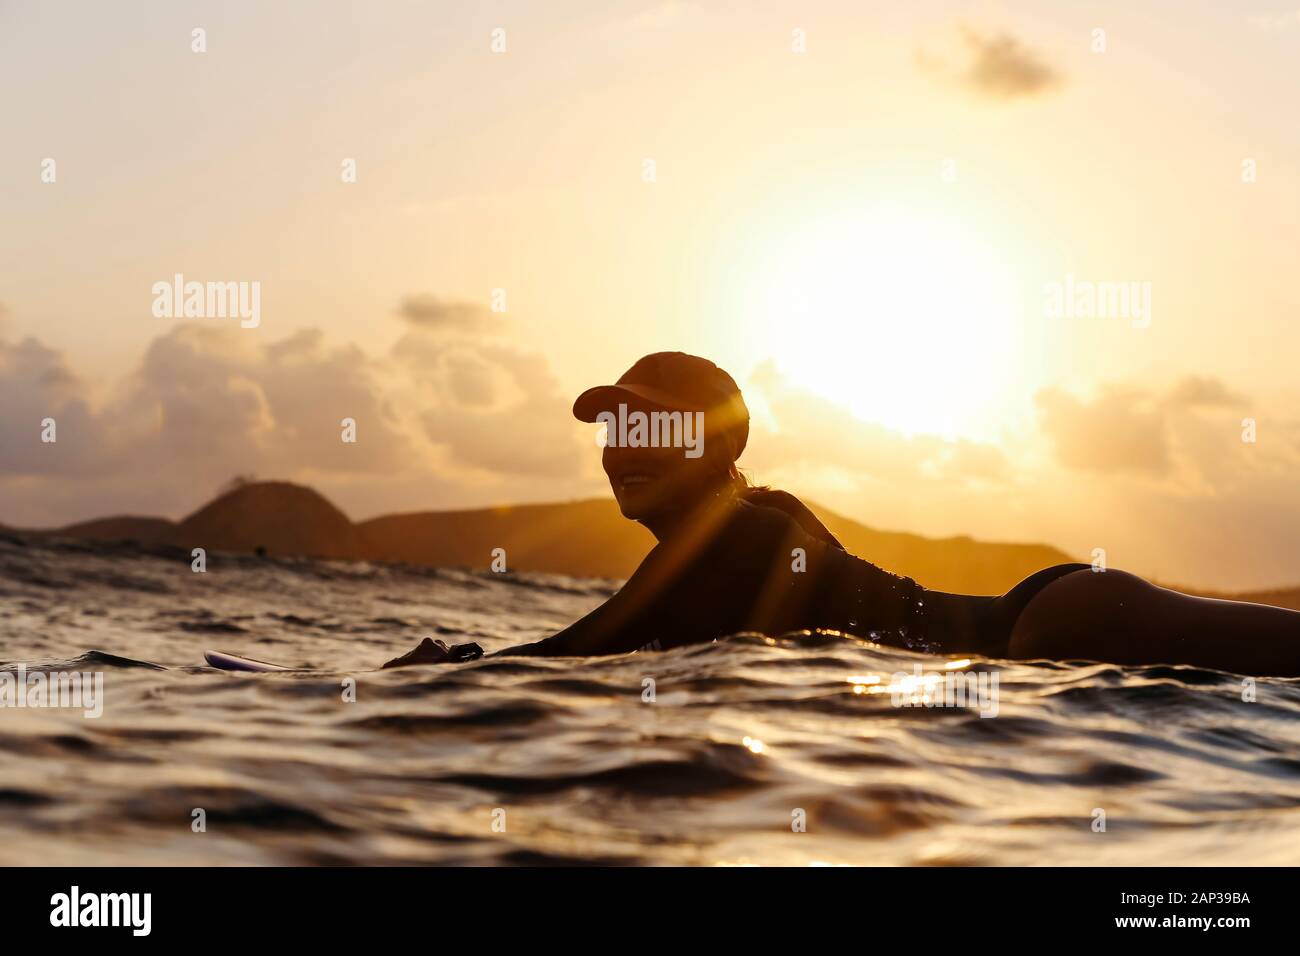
1119, 618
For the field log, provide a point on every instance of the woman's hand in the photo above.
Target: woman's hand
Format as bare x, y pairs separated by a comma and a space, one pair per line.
437, 652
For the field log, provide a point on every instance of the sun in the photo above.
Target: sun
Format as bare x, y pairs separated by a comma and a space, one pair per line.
906, 317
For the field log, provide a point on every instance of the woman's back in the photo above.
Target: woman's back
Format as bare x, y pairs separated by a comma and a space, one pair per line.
753, 567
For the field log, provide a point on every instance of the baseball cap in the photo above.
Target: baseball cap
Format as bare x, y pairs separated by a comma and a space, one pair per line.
674, 381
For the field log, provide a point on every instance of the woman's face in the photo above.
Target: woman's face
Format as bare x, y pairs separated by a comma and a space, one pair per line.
651, 482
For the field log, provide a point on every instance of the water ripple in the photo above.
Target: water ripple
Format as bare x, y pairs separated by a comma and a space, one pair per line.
787, 749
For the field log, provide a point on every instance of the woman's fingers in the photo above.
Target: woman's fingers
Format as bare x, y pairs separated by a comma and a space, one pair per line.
429, 651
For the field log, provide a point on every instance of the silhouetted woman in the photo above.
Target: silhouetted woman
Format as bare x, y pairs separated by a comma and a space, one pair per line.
733, 558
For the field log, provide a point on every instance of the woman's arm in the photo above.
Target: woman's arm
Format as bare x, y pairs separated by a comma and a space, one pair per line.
736, 576
647, 609
638, 614
611, 628
731, 579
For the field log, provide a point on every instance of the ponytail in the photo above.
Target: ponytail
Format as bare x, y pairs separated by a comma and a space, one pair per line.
763, 496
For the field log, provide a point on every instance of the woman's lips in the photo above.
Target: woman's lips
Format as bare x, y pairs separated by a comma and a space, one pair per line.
635, 480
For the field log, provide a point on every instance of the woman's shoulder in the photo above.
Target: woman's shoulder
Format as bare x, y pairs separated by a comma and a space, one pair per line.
783, 507
772, 498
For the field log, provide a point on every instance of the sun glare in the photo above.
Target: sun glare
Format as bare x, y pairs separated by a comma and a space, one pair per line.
904, 318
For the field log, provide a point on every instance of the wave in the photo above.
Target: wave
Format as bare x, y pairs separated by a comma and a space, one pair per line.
786, 749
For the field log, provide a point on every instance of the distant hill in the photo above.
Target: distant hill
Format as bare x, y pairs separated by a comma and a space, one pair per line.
275, 516
960, 564
124, 528
591, 538
585, 538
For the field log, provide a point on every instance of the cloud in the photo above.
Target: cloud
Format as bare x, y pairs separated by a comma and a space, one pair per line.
1198, 390
1004, 68
801, 431
430, 312
36, 385
208, 402
1189, 434
657, 15
1159, 474
492, 408
1119, 431
997, 66
1275, 21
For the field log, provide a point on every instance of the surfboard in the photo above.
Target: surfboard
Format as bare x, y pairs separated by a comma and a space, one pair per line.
231, 662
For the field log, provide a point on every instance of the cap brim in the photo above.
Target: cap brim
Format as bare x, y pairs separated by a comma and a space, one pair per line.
607, 398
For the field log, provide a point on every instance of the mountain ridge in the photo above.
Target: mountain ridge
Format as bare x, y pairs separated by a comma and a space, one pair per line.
583, 538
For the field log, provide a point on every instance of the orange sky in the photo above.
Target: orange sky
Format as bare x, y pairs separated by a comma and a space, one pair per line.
860, 210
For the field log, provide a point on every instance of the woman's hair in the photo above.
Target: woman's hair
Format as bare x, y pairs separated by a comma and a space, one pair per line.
765, 497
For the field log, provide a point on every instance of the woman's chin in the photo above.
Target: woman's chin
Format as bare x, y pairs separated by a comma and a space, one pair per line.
634, 506
630, 509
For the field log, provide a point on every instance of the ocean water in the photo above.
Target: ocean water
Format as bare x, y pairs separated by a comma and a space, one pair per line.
789, 750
